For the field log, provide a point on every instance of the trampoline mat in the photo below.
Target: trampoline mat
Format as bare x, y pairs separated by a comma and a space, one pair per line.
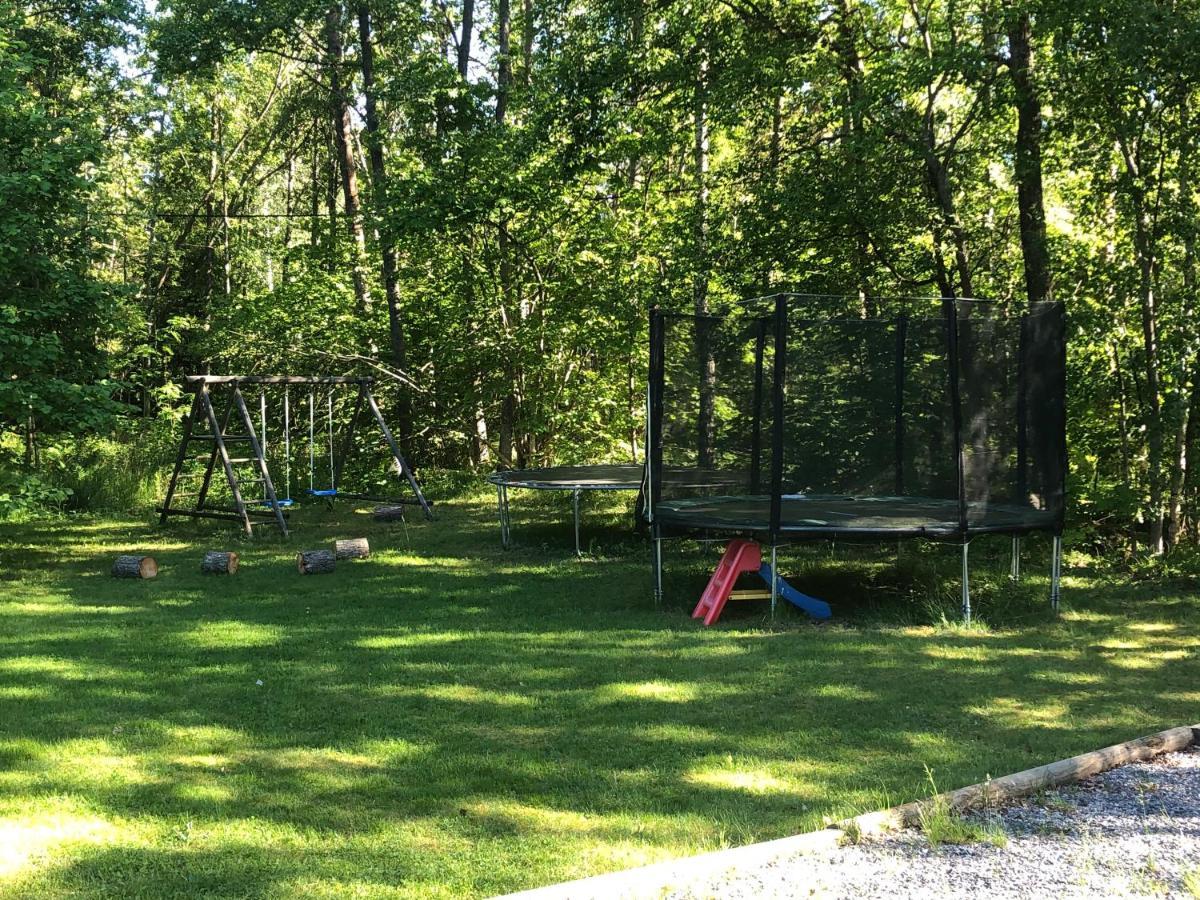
627, 477
817, 515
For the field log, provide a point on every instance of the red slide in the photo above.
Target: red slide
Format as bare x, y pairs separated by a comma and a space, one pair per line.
740, 556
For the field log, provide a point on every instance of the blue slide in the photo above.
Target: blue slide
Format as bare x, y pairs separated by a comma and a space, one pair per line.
817, 609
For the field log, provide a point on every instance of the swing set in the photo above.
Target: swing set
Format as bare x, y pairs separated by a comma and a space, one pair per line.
235, 425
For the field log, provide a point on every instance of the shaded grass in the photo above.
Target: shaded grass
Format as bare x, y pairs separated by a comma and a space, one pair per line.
448, 719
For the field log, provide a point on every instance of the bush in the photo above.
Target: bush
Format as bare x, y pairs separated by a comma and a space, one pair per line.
24, 495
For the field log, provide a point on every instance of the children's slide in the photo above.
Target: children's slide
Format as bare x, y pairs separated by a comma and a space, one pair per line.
742, 556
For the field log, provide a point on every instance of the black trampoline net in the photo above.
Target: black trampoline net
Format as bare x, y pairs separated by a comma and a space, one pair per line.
948, 401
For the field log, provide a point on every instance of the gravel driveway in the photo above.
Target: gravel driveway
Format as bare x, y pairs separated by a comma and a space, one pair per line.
1132, 832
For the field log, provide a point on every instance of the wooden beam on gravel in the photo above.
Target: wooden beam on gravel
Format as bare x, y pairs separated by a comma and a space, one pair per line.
1030, 781
657, 880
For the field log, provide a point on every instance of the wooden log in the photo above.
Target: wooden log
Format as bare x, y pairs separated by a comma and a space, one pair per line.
131, 566
219, 562
315, 562
389, 514
1022, 784
352, 548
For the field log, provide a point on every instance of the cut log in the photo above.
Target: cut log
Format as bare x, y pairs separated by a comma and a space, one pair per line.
352, 548
130, 566
219, 562
389, 514
315, 562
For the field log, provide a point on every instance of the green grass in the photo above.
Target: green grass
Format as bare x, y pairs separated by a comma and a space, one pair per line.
449, 719
1191, 883
944, 825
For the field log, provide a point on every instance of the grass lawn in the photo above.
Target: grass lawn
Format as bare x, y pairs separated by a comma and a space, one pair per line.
449, 719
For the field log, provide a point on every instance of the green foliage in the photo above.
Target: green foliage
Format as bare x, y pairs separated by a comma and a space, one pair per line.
25, 496
53, 309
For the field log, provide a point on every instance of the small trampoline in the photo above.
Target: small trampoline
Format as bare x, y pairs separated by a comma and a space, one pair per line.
577, 479
942, 419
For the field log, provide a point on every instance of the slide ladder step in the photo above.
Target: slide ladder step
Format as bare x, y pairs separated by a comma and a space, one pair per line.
740, 556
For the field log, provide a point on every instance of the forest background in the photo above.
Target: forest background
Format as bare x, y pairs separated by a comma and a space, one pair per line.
477, 201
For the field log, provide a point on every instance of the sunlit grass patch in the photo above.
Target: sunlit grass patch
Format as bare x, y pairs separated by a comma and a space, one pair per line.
448, 719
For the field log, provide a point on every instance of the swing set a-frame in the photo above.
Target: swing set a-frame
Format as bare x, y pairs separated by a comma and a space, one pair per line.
234, 425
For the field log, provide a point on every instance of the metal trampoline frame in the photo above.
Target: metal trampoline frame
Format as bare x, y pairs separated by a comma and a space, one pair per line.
528, 479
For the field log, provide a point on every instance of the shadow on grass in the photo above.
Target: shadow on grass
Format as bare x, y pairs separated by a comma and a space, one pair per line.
455, 719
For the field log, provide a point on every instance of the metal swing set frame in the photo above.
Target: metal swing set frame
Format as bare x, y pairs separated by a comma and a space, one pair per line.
234, 424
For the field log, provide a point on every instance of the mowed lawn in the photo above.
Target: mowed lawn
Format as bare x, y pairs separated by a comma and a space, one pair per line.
449, 719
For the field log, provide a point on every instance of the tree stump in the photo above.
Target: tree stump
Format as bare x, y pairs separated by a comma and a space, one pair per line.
352, 548
389, 514
219, 562
315, 562
130, 566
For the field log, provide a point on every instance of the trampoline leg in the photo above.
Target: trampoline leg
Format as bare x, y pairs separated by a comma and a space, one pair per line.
1014, 571
774, 583
658, 591
966, 583
578, 552
502, 506
1055, 571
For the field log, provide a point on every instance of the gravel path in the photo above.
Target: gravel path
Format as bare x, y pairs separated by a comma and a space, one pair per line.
1132, 832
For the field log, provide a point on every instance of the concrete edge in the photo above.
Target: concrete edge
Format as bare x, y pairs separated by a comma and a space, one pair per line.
658, 878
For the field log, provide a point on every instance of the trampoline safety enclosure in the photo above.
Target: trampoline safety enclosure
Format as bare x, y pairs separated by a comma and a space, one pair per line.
940, 419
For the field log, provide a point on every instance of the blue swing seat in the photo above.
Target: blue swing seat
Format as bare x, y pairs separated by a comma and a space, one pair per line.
329, 492
279, 501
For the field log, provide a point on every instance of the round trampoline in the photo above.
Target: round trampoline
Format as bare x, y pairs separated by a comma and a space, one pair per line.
577, 479
942, 420
806, 516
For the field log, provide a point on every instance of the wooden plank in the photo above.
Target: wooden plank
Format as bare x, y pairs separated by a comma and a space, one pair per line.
396, 454
750, 595
264, 474
1030, 781
206, 398
277, 379
180, 456
200, 514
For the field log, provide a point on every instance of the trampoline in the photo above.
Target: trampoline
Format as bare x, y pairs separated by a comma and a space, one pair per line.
941, 420
577, 479
825, 515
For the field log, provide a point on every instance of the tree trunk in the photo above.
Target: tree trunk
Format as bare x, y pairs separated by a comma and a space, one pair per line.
130, 566
1145, 247
510, 406
1035, 249
387, 247
352, 548
314, 234
943, 198
218, 562
852, 131
389, 514
706, 364
464, 40
339, 108
527, 42
1191, 361
315, 562
289, 186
